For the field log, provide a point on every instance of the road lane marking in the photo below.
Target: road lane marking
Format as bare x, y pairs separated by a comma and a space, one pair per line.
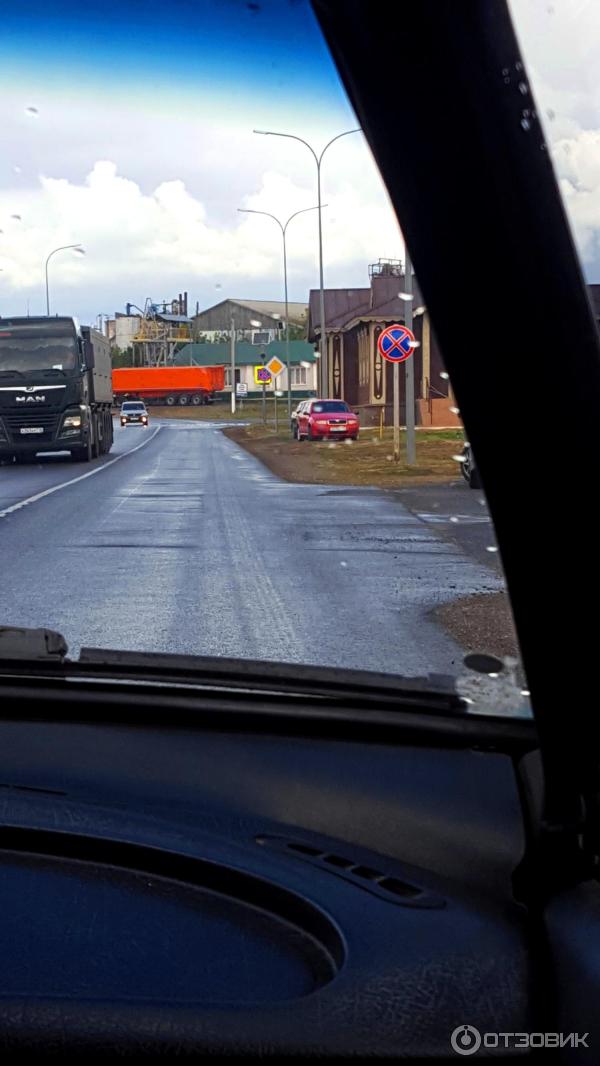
73, 481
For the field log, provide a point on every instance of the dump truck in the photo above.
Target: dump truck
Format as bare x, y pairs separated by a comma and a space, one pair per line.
183, 385
55, 389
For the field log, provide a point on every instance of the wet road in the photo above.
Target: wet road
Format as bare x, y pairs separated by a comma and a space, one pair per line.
188, 544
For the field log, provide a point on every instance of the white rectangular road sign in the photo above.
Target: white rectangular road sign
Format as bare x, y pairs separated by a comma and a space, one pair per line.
241, 389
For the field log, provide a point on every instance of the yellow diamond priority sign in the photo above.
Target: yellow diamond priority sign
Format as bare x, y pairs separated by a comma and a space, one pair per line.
275, 366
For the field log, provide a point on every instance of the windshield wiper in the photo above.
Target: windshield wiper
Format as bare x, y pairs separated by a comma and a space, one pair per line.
40, 652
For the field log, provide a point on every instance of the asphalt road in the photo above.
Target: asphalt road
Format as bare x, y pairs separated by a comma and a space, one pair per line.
181, 541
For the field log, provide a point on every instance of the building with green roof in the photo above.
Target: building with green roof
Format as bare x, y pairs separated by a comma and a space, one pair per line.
303, 364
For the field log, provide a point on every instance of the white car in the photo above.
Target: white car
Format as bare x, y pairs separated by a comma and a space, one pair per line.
133, 413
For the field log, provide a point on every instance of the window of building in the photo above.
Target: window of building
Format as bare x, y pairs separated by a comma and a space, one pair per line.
299, 375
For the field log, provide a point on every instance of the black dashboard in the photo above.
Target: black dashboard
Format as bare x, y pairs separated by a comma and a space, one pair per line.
177, 890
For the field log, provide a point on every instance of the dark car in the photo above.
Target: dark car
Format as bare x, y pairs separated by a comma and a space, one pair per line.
468, 468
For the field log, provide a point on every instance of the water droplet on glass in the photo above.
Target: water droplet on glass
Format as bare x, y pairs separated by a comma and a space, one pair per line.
32, 112
459, 458
551, 114
491, 548
543, 147
454, 410
343, 564
444, 374
218, 286
523, 89
408, 296
17, 218
507, 81
505, 71
17, 170
518, 66
525, 692
525, 124
389, 458
414, 344
332, 445
454, 519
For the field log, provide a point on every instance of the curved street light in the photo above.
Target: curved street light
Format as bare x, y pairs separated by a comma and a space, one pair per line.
63, 248
283, 227
318, 160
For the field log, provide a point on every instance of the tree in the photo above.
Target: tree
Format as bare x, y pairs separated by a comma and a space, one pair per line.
121, 356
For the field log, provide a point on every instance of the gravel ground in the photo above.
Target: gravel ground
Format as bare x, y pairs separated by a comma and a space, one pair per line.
481, 623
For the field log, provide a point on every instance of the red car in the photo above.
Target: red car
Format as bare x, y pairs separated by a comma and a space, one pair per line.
331, 419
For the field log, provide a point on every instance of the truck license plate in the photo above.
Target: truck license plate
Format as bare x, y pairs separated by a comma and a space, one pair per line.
32, 429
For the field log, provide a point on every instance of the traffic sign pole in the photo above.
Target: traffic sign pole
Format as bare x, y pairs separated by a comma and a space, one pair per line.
396, 412
396, 344
409, 370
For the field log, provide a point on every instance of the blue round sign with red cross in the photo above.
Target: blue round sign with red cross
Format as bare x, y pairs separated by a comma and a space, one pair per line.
396, 343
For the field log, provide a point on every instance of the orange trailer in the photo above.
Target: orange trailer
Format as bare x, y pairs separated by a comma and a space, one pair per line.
168, 385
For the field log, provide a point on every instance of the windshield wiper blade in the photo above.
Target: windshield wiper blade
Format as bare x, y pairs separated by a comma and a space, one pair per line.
31, 645
292, 678
40, 652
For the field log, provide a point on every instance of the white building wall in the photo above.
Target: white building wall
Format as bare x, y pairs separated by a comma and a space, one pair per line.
307, 376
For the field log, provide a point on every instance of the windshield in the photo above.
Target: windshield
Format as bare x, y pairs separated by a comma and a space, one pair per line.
23, 351
159, 184
329, 406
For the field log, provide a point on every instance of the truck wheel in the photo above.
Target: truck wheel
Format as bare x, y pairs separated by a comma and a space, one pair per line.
97, 443
196, 400
82, 454
170, 401
183, 401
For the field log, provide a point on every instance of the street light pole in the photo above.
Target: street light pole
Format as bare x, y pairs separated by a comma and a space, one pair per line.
322, 324
283, 227
63, 248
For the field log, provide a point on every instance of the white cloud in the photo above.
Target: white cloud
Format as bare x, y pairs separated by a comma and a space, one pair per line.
159, 241
560, 40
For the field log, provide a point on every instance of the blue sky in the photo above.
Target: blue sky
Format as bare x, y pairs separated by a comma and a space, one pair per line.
141, 148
